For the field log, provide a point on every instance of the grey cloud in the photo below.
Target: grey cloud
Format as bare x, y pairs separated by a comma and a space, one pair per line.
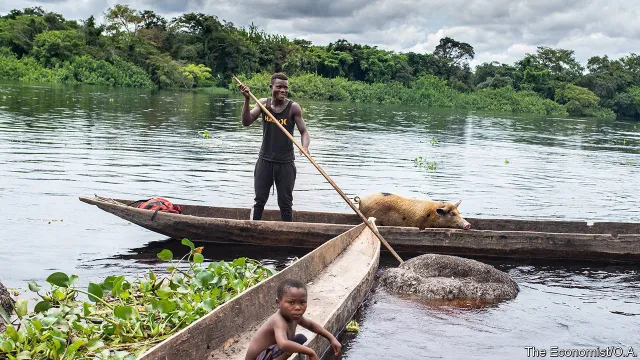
169, 6
291, 9
502, 28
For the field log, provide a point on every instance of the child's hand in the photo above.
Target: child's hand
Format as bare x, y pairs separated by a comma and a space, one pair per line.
336, 346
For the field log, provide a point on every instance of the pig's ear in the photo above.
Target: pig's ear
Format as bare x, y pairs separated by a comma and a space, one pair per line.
441, 211
458, 203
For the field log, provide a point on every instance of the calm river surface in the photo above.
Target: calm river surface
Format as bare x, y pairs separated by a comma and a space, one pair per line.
58, 143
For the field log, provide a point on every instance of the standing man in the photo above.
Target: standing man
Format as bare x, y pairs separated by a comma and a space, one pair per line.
276, 160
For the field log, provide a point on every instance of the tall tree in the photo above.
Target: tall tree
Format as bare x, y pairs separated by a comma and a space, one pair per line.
453, 50
123, 19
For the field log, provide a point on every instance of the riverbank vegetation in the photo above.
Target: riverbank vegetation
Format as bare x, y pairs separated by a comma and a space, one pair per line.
119, 318
140, 48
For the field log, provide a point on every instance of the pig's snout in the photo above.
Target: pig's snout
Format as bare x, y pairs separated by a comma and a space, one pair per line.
466, 226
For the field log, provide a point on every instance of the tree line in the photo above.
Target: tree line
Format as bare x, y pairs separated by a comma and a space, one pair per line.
141, 48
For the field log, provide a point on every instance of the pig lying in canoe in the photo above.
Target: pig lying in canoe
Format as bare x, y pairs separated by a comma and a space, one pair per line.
396, 210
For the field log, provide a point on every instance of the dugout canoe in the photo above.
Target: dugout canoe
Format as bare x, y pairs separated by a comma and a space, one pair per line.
510, 238
339, 274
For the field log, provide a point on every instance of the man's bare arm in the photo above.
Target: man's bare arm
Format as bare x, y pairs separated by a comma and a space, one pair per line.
249, 116
302, 127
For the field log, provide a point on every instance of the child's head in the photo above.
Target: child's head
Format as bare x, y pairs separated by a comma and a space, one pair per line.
292, 298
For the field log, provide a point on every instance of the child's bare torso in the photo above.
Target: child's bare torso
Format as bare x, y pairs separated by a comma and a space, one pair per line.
265, 336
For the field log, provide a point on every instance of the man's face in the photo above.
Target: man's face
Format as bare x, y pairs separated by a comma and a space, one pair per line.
293, 303
279, 89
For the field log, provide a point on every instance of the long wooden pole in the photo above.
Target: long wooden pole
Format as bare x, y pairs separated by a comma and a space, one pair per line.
373, 228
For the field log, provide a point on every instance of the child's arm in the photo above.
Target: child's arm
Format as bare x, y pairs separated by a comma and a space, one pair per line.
316, 328
288, 346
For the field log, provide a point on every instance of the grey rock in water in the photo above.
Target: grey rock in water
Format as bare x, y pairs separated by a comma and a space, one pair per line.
6, 302
444, 277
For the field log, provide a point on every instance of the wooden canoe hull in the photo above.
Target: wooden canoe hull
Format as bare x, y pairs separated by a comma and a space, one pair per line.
523, 239
226, 331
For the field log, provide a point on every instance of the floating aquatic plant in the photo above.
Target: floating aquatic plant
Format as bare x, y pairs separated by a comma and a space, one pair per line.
123, 318
423, 163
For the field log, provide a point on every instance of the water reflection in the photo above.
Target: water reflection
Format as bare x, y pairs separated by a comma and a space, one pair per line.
278, 257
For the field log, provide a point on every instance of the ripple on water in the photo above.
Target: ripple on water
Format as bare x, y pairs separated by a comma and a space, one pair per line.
58, 143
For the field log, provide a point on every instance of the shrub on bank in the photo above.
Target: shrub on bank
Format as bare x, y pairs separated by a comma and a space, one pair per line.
81, 69
427, 90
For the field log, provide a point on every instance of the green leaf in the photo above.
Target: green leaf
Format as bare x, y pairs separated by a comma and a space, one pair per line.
152, 276
164, 306
215, 292
33, 286
40, 348
123, 312
6, 346
11, 331
88, 309
21, 307
42, 306
4, 316
122, 355
125, 284
209, 304
237, 285
59, 278
108, 283
198, 258
73, 348
177, 279
165, 255
94, 345
144, 286
73, 279
63, 325
204, 278
96, 291
239, 262
164, 292
58, 294
188, 243
49, 320
25, 355
117, 285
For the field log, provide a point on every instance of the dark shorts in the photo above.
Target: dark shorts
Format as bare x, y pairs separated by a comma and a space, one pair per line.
274, 350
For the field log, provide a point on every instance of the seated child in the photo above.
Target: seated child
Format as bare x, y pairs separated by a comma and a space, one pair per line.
275, 340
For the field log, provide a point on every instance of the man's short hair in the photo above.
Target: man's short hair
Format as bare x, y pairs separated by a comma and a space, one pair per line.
287, 284
279, 76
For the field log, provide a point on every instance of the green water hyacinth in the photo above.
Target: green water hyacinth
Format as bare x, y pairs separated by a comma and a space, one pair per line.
121, 318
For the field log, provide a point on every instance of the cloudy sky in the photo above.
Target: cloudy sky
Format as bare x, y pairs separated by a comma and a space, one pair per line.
499, 30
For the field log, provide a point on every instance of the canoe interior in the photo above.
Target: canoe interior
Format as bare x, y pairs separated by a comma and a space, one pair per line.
548, 226
339, 274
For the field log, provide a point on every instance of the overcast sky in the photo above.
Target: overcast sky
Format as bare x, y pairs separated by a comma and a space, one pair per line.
499, 30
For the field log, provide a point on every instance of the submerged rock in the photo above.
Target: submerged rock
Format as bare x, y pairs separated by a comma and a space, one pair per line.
444, 277
6, 303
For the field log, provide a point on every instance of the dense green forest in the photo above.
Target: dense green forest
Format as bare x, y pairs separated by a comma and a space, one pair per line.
140, 48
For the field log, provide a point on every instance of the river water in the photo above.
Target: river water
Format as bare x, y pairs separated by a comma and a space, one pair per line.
61, 142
